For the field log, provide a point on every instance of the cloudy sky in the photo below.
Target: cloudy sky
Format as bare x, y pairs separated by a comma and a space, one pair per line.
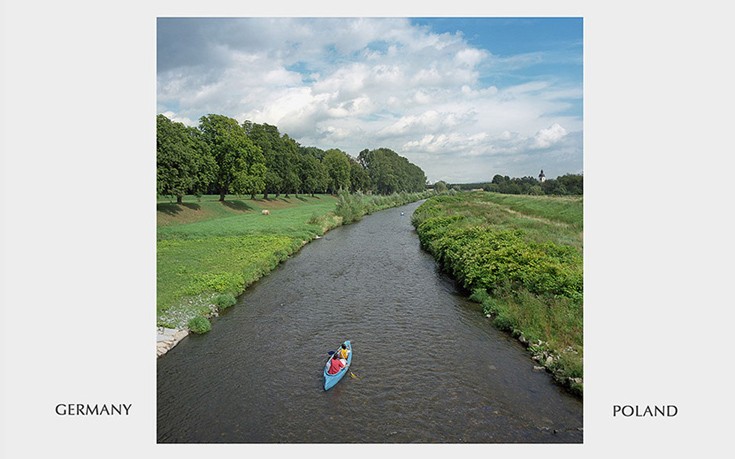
462, 98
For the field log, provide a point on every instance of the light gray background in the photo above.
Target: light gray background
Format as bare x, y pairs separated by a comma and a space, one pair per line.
79, 224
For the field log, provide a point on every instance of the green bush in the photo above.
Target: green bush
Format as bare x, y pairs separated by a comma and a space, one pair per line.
199, 325
479, 295
224, 301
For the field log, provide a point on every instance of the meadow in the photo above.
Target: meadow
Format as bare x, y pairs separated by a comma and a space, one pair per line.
521, 257
209, 251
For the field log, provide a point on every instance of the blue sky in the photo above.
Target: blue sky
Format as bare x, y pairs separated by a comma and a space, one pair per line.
463, 98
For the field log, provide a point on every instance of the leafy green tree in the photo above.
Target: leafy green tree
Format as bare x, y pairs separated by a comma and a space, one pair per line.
318, 153
314, 178
291, 176
390, 173
254, 181
337, 164
511, 187
573, 183
267, 138
359, 177
380, 168
499, 179
183, 161
273, 183
240, 163
536, 190
281, 158
440, 186
553, 186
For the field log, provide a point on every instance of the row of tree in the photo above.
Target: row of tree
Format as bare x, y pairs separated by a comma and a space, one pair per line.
221, 156
568, 184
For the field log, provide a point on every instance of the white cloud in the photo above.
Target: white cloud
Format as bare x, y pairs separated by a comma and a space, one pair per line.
470, 57
548, 137
368, 83
179, 119
428, 121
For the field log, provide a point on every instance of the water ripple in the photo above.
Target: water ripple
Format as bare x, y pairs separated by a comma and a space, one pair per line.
427, 366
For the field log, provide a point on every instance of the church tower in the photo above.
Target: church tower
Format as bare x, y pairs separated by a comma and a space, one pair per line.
541, 176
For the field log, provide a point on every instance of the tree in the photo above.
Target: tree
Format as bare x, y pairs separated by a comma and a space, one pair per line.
183, 161
240, 163
254, 181
390, 173
535, 190
573, 183
553, 186
440, 186
337, 164
281, 158
266, 137
511, 187
380, 168
499, 179
314, 178
318, 153
359, 178
291, 177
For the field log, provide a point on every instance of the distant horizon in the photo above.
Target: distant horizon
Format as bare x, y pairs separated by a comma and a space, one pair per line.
473, 182
464, 99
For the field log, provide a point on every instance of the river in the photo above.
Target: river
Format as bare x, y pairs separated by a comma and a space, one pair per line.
427, 367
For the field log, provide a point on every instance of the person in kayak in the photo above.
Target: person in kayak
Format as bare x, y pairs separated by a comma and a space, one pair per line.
335, 364
343, 352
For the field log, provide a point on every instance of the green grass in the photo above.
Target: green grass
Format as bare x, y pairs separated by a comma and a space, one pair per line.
541, 218
207, 248
559, 209
172, 216
522, 257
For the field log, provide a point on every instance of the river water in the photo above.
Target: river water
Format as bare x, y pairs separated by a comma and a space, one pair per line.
427, 367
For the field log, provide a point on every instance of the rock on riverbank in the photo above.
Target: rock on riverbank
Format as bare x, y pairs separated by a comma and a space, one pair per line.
167, 338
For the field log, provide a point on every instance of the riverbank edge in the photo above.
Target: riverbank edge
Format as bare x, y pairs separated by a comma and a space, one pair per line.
168, 338
545, 358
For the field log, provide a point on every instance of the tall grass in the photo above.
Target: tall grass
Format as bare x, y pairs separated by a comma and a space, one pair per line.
352, 207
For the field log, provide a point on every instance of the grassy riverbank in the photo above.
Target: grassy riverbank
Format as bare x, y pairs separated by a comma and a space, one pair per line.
209, 252
521, 257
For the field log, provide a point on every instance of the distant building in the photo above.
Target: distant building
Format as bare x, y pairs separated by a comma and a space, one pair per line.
541, 176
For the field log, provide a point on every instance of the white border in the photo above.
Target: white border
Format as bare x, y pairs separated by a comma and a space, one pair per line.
78, 223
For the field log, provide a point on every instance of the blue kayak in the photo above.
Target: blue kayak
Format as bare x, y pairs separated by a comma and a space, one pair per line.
331, 380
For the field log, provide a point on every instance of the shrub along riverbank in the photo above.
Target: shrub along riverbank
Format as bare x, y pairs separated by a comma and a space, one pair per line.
210, 251
521, 258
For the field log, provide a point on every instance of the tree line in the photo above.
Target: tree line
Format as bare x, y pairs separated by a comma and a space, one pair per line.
568, 184
221, 156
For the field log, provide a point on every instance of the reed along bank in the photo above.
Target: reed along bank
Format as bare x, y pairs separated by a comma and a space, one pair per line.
521, 257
